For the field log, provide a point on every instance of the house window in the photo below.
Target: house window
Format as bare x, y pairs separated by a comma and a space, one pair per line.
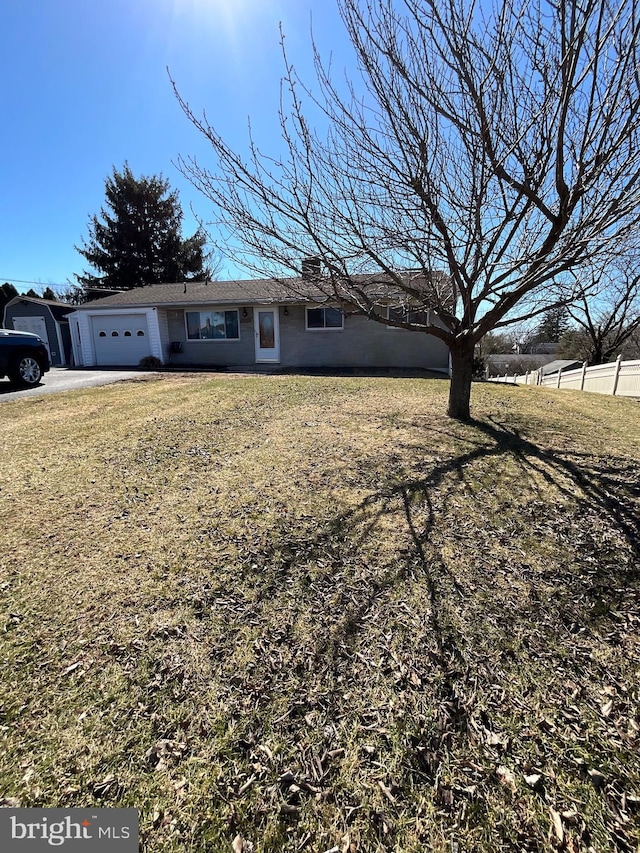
114, 334
405, 315
325, 318
140, 333
102, 334
212, 325
127, 334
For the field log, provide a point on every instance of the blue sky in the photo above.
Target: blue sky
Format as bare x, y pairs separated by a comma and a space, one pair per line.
85, 88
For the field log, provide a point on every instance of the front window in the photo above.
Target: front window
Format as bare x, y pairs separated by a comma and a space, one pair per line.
212, 325
325, 318
405, 315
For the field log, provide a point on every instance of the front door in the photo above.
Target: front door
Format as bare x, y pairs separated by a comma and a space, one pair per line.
267, 334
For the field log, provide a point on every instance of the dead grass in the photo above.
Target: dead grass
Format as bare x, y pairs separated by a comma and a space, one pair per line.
312, 614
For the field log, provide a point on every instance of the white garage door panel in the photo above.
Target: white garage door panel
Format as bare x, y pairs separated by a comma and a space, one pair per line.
121, 339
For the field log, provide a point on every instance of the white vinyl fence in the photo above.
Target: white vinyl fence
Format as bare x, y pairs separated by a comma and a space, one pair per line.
621, 378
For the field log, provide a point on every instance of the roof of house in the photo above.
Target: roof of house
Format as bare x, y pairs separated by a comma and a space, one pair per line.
524, 359
203, 293
545, 348
253, 291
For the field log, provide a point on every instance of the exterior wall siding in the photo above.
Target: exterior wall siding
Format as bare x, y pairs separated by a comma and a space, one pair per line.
86, 341
220, 353
154, 333
362, 343
163, 331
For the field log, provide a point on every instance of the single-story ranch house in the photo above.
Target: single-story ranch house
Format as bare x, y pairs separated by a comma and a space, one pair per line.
242, 324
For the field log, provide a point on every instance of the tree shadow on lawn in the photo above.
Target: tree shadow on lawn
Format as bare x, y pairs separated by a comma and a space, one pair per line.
340, 638
603, 492
611, 485
599, 527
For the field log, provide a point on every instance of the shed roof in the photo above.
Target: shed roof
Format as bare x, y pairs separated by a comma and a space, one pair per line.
58, 309
560, 364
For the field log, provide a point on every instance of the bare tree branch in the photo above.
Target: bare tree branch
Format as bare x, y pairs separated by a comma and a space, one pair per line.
497, 146
607, 309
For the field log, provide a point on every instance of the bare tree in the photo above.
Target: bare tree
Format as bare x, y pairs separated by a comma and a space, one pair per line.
607, 310
499, 146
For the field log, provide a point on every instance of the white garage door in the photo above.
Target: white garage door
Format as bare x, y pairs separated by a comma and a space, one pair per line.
121, 339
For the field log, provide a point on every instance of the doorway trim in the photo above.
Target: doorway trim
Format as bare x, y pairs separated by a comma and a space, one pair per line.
266, 328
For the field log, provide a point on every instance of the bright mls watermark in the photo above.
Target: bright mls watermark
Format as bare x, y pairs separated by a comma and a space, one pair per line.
70, 830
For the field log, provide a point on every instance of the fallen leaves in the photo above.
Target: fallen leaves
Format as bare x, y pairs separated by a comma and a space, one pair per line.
606, 709
597, 778
535, 781
387, 792
108, 788
506, 777
558, 828
241, 845
375, 633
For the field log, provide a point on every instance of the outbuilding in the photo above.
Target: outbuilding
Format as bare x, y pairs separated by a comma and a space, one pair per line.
560, 364
44, 317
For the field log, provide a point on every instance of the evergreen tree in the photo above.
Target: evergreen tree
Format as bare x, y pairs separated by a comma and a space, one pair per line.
136, 240
7, 292
553, 325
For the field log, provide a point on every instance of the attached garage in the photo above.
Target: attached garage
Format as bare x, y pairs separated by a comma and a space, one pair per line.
120, 339
114, 338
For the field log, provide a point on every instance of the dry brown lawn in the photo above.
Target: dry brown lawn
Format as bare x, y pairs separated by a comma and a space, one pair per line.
312, 613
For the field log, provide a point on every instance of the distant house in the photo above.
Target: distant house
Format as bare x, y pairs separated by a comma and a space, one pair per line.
500, 364
545, 348
244, 323
508, 364
46, 318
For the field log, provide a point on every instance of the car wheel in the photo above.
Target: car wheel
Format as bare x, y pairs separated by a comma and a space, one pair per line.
25, 371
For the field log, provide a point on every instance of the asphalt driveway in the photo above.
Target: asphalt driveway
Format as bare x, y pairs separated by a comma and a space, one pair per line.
67, 379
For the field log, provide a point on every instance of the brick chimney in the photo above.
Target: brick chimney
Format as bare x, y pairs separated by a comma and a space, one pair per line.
311, 268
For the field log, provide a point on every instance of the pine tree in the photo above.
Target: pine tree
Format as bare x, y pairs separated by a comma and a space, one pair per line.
553, 325
136, 239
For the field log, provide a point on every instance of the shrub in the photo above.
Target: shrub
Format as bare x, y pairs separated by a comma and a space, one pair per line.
149, 362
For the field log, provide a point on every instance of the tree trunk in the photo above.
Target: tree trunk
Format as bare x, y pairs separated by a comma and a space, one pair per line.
461, 373
597, 354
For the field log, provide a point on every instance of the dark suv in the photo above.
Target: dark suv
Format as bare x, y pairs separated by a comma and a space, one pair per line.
23, 357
